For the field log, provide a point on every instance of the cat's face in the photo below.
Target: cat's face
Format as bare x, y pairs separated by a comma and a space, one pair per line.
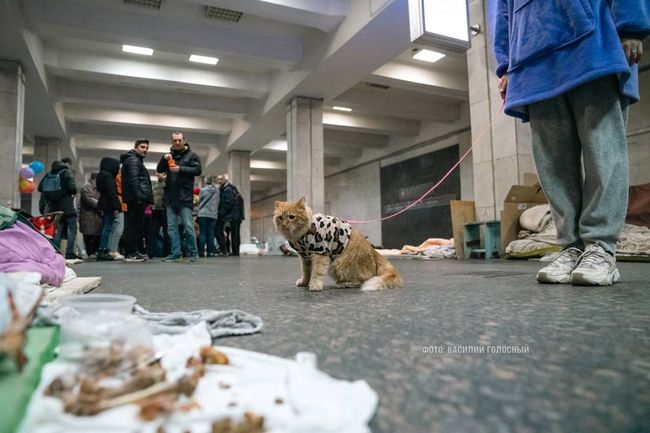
291, 219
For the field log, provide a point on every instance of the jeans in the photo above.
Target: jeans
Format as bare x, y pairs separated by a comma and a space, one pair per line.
587, 124
174, 219
107, 226
206, 235
70, 222
116, 233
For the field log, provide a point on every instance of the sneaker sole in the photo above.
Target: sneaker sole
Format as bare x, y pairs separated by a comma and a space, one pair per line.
582, 280
547, 279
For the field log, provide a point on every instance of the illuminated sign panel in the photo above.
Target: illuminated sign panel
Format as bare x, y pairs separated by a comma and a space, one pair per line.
440, 24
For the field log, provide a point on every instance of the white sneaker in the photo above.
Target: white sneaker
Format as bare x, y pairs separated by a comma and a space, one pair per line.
596, 268
116, 255
559, 270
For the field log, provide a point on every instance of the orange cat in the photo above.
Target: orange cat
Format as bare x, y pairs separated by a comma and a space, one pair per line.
326, 242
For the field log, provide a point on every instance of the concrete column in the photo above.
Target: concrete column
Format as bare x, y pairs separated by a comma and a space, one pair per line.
12, 111
239, 174
502, 145
305, 161
46, 150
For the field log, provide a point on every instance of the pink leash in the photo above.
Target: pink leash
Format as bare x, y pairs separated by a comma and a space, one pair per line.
430, 190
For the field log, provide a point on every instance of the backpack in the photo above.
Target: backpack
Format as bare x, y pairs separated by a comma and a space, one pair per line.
51, 187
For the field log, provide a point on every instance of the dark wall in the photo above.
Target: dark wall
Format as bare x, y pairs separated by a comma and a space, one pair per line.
403, 183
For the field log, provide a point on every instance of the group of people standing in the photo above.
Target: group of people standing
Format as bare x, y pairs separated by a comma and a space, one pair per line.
121, 198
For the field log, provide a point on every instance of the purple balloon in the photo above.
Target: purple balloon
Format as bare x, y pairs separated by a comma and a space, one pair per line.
37, 166
26, 173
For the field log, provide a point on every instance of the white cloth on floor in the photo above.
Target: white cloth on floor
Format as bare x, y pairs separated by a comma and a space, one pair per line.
69, 275
224, 323
292, 397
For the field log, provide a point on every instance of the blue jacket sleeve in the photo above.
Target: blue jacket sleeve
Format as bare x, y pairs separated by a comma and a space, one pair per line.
498, 24
632, 18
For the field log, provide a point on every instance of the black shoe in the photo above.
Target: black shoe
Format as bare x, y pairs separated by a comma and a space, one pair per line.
139, 255
104, 257
133, 258
73, 257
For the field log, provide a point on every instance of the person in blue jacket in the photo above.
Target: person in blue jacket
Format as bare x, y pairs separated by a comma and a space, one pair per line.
570, 67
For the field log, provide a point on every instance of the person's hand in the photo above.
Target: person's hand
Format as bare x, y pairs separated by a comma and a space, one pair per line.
161, 176
633, 49
503, 86
168, 156
175, 169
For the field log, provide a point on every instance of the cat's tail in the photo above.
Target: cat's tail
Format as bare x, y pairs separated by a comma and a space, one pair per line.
388, 278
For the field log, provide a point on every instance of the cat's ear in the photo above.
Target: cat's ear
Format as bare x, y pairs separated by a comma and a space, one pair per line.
277, 204
301, 202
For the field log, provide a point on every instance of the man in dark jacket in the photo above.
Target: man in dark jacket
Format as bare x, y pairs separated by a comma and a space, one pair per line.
58, 189
181, 166
136, 193
229, 212
108, 203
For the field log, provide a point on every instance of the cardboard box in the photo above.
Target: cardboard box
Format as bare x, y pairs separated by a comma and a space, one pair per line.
519, 198
462, 212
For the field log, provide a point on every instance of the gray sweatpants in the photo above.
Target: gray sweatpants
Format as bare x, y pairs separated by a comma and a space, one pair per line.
589, 121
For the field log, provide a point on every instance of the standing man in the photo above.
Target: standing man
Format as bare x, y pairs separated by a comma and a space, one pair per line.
136, 193
181, 166
228, 213
572, 71
58, 189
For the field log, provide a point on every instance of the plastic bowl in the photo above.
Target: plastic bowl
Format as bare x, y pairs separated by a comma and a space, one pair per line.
94, 302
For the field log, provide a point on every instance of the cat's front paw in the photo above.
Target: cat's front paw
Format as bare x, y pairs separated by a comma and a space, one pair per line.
302, 283
316, 287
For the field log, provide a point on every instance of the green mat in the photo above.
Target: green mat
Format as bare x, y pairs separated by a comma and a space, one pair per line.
16, 388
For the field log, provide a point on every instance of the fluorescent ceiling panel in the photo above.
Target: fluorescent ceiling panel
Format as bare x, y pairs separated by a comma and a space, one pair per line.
137, 50
428, 56
203, 59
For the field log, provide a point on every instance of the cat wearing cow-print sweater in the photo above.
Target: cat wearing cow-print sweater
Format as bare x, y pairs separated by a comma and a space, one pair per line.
328, 243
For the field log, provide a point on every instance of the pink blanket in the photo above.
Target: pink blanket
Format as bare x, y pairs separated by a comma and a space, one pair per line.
24, 250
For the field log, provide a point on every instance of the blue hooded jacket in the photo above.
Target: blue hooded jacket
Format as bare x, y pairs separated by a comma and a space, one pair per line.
548, 47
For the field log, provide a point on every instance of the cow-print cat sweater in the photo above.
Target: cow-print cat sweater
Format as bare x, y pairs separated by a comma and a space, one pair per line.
327, 236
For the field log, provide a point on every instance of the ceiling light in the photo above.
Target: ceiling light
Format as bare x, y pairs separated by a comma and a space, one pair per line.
428, 56
336, 107
203, 59
137, 50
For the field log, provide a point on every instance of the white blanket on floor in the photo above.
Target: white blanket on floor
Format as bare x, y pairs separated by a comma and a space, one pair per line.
311, 400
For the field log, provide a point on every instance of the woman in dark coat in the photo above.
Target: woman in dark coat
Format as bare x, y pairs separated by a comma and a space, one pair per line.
108, 202
90, 219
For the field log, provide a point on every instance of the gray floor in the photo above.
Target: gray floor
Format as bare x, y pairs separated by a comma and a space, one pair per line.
587, 369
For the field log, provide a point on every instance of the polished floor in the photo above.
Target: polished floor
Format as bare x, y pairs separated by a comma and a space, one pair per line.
537, 358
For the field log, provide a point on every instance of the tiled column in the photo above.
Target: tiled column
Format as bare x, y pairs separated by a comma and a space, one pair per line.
305, 161
239, 174
46, 150
12, 111
502, 145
